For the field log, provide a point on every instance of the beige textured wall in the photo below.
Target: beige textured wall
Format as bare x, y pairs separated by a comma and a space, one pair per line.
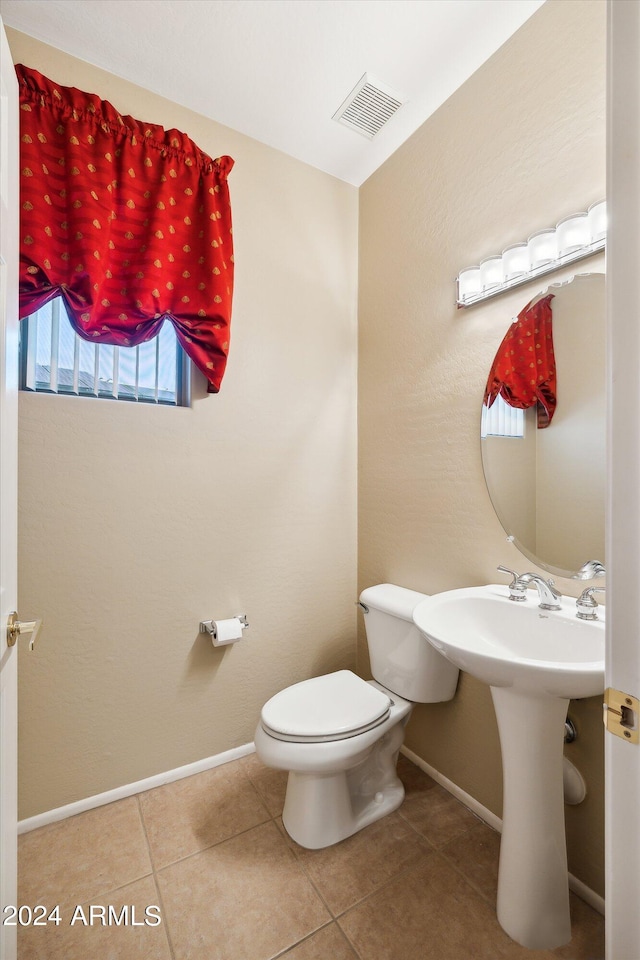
518, 147
136, 523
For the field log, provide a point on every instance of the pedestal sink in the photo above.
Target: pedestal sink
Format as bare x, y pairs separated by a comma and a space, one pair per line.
535, 661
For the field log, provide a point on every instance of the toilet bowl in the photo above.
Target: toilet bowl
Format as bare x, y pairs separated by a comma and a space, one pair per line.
339, 736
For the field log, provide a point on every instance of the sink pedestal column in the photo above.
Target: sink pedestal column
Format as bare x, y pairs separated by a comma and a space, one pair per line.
533, 881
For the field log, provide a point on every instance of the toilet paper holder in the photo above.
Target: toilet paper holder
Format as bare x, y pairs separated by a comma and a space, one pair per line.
209, 626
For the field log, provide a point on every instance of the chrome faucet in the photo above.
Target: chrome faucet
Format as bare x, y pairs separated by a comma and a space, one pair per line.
586, 604
547, 592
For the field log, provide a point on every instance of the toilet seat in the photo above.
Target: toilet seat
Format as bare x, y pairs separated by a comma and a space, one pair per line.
332, 707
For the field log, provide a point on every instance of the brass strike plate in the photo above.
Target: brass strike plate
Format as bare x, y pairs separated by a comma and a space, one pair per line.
620, 714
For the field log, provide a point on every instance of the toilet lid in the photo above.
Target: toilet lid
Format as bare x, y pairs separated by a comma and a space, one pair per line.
332, 707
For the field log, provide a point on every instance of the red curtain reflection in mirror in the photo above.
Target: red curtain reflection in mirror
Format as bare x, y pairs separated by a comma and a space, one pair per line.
524, 368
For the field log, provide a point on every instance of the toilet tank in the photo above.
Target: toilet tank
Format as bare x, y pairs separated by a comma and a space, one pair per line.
402, 659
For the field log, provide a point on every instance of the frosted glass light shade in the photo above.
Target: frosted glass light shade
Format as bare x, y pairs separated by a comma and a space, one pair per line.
515, 261
574, 238
543, 247
469, 283
597, 214
491, 272
573, 233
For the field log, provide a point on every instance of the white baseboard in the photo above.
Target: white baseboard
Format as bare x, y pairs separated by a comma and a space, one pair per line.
582, 890
130, 789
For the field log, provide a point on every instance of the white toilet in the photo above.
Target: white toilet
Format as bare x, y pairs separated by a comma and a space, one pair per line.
339, 735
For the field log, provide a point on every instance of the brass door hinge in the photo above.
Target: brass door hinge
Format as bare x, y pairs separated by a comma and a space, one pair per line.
620, 714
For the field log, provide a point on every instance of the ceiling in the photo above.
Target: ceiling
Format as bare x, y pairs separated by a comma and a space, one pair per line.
277, 70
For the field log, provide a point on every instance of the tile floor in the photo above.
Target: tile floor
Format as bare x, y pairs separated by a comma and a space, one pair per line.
211, 853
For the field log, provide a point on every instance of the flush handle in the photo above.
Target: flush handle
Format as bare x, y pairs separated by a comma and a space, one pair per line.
21, 628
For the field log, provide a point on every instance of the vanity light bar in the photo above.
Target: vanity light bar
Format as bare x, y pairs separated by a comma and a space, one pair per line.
573, 238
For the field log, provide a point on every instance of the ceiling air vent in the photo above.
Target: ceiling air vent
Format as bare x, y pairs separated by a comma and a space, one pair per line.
368, 107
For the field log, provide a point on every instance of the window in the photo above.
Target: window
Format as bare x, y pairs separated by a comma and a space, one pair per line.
501, 420
54, 359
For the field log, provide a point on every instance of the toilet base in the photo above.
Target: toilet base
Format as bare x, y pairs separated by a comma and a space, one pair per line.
323, 808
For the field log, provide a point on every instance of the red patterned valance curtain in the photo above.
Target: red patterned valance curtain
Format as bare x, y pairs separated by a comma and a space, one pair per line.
524, 369
129, 223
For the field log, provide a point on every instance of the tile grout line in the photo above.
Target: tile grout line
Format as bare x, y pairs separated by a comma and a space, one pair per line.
441, 851
432, 848
373, 893
270, 819
490, 900
352, 945
334, 916
261, 797
422, 835
261, 801
103, 892
300, 863
167, 928
218, 843
156, 868
286, 950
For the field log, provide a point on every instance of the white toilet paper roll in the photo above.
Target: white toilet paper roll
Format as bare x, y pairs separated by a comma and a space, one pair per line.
226, 631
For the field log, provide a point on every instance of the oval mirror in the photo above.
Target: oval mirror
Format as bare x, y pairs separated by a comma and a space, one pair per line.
546, 475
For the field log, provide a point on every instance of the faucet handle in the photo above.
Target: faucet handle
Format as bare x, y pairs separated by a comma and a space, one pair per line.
517, 589
586, 604
589, 571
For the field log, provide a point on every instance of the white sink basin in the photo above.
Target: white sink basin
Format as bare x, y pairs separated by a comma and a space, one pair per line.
516, 644
535, 661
